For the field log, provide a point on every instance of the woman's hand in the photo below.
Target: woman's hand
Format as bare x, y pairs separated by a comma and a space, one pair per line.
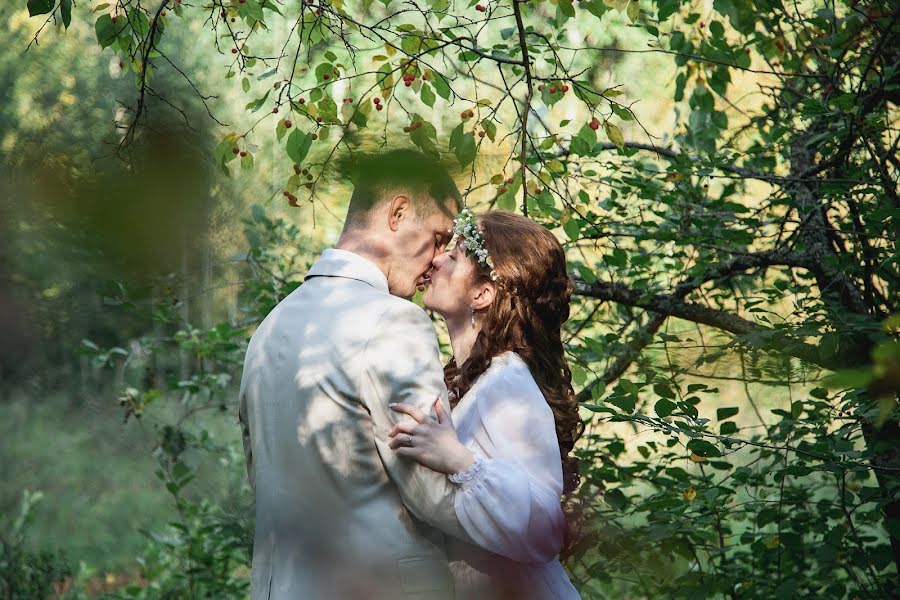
431, 443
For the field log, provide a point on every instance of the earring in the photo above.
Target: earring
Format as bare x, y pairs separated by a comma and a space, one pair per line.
473, 317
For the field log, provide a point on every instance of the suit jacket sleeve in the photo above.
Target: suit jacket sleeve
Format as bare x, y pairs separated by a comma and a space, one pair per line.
402, 364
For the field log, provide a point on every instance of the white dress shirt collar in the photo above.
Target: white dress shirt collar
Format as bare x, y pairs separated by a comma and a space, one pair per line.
335, 262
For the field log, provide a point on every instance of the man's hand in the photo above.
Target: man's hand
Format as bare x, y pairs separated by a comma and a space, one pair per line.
431, 443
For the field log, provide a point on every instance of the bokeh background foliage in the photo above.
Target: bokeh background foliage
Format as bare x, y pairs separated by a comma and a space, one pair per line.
723, 175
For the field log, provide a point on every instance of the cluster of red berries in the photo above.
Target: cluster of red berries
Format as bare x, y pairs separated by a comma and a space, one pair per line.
377, 102
348, 100
553, 89
288, 124
413, 126
467, 114
326, 76
594, 124
408, 79
480, 7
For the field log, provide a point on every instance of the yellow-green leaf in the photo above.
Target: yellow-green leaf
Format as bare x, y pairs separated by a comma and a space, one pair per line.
614, 134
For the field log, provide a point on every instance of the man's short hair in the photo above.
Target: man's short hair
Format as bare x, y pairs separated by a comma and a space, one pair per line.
381, 177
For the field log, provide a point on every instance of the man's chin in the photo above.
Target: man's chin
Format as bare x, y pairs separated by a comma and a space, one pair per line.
406, 292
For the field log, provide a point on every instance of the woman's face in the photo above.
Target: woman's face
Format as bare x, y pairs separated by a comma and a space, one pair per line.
447, 292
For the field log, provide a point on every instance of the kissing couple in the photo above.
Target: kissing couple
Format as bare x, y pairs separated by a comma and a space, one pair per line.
380, 474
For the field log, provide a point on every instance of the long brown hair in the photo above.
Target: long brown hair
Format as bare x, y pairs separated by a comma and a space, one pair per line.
530, 305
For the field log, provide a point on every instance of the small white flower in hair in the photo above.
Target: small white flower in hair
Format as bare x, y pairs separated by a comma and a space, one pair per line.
465, 225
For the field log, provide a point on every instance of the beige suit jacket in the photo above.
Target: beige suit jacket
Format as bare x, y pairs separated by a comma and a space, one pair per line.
338, 514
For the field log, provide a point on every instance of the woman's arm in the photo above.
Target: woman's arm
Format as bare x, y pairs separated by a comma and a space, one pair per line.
508, 502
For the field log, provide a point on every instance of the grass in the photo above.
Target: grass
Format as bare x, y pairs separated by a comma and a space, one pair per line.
97, 473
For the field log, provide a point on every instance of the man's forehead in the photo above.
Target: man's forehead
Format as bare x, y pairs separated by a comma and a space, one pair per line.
441, 222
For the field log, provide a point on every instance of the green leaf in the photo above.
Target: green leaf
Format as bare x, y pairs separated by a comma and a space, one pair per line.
385, 77
728, 427
616, 499
39, 7
849, 378
224, 151
65, 9
664, 407
298, 145
586, 274
622, 112
703, 448
573, 229
139, 22
725, 413
490, 129
623, 401
253, 10
741, 13
663, 390
427, 95
583, 143
666, 8
105, 30
465, 149
441, 86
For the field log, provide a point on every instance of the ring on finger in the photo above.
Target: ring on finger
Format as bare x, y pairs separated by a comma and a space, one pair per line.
409, 440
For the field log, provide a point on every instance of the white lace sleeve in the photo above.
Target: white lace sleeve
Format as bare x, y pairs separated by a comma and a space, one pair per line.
508, 501
470, 475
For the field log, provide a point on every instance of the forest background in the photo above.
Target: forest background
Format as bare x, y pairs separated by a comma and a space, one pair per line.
723, 176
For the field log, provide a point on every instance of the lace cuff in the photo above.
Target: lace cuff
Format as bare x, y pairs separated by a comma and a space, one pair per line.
470, 475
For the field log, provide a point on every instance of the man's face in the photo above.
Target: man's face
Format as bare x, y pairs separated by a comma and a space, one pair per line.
418, 242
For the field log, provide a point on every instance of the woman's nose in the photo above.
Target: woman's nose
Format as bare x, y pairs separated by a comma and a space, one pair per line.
439, 260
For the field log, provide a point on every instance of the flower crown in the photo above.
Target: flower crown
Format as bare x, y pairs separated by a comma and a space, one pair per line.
466, 225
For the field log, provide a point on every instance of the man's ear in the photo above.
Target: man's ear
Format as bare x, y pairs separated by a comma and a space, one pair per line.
400, 208
483, 295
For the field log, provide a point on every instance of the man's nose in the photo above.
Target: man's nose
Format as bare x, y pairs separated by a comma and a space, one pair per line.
439, 260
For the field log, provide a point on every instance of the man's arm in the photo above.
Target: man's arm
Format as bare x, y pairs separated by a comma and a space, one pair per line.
402, 364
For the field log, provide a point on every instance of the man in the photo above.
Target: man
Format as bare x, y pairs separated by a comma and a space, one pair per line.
338, 513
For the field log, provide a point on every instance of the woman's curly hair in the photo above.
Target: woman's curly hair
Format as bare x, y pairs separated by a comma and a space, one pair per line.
530, 306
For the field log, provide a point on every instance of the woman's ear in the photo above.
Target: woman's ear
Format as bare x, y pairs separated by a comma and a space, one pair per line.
483, 295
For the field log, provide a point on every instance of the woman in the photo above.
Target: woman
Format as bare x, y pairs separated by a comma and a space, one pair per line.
504, 293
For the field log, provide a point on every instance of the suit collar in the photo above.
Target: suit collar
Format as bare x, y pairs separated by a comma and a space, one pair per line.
335, 262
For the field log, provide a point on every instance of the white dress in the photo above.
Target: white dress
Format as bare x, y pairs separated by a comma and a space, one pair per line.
508, 502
